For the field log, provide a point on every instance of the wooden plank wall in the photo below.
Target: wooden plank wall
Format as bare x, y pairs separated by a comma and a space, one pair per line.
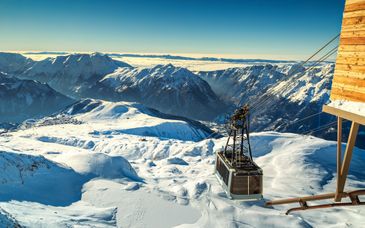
349, 79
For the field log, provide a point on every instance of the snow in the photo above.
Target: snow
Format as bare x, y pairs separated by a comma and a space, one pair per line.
173, 76
349, 106
167, 88
107, 164
79, 214
312, 86
134, 119
139, 208
93, 174
76, 65
303, 87
22, 99
6, 220
71, 74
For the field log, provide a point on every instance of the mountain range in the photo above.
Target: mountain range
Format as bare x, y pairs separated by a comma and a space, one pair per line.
173, 90
201, 95
23, 99
72, 74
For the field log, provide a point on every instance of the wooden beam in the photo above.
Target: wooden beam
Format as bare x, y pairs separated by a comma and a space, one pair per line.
352, 60
347, 157
339, 158
346, 51
353, 34
348, 2
352, 1
351, 48
349, 80
353, 20
357, 13
350, 84
349, 74
355, 6
346, 28
302, 199
328, 205
340, 93
350, 67
344, 114
352, 40
349, 91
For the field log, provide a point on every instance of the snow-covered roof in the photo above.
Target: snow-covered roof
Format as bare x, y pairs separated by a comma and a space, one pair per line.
349, 106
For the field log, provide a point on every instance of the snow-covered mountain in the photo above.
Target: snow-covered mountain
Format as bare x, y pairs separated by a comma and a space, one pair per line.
121, 165
22, 99
132, 118
170, 89
251, 83
236, 84
13, 62
279, 101
72, 74
6, 220
178, 91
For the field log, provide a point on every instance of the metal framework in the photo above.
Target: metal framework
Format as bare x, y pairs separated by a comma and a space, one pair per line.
239, 150
342, 168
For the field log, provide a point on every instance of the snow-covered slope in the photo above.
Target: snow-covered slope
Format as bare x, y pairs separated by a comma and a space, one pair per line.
134, 119
170, 89
22, 99
295, 98
6, 220
72, 74
311, 86
167, 181
13, 62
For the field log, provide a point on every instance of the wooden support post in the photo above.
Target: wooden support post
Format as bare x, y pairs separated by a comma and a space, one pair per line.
343, 164
339, 158
347, 159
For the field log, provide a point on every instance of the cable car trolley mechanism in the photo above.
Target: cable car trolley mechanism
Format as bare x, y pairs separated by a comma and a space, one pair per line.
235, 169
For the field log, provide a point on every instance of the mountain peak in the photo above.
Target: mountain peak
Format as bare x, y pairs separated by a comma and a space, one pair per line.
170, 89
13, 62
67, 73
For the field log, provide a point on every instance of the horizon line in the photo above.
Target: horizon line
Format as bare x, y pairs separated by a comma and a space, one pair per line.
193, 56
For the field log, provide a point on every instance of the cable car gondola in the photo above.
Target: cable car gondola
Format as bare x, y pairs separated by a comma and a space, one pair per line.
235, 169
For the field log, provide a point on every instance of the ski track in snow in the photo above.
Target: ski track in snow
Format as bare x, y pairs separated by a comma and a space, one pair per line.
126, 179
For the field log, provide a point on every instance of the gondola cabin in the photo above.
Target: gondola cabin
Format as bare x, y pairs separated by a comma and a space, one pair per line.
235, 169
243, 182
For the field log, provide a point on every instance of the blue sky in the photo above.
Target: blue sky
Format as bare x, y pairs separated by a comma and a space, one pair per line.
252, 28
